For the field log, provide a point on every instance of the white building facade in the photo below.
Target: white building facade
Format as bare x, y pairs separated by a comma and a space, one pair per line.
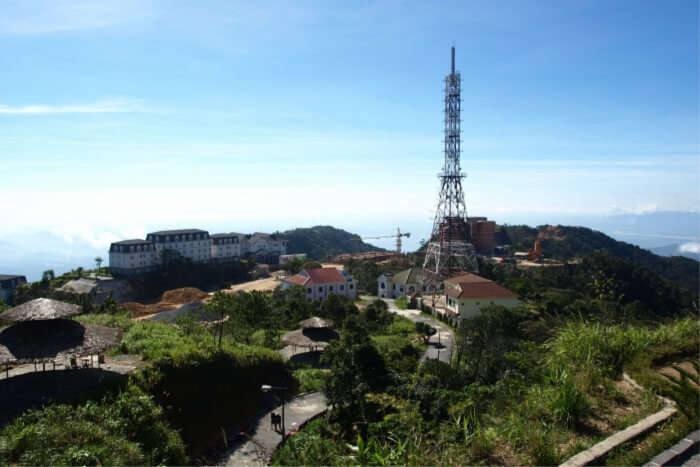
322, 282
225, 247
132, 257
469, 293
188, 243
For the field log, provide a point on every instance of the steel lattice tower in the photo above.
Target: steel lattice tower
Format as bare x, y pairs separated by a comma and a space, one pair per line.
450, 250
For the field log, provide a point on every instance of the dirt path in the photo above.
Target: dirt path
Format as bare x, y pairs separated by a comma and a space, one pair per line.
259, 442
440, 346
267, 284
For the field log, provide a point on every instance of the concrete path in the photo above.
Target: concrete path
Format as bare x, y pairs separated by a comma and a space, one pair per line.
257, 445
441, 345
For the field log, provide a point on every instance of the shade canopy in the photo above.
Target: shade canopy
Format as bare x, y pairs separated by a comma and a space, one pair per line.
309, 337
316, 322
40, 309
54, 339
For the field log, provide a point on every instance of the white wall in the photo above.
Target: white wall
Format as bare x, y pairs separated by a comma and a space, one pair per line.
471, 307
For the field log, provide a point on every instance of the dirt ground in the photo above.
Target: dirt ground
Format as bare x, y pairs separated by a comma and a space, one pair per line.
267, 284
170, 300
675, 374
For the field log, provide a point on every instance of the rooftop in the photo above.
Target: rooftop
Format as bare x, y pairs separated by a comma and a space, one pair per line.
135, 241
324, 275
178, 232
4, 277
40, 309
472, 286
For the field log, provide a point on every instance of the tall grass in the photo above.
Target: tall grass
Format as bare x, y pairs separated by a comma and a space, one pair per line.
608, 348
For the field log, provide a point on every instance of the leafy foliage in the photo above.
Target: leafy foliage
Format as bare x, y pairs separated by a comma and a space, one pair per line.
123, 429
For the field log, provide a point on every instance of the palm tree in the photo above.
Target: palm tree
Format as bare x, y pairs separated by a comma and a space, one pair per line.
98, 262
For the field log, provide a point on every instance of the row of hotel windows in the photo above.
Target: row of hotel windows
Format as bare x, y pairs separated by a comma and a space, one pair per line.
330, 288
177, 238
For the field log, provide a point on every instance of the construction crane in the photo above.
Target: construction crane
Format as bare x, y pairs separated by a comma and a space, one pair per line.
397, 235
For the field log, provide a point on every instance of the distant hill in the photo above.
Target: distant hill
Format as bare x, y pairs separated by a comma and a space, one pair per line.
322, 241
566, 243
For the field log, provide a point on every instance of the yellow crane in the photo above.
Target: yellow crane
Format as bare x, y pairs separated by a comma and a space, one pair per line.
397, 235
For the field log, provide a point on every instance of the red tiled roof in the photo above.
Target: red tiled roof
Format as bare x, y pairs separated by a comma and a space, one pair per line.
324, 276
296, 279
473, 286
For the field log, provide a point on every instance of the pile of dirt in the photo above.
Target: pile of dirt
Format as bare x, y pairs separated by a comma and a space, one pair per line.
139, 309
183, 295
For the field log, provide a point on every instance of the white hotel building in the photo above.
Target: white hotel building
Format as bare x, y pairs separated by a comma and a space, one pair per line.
134, 257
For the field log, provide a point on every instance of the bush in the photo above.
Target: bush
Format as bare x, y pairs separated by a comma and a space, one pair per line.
310, 379
126, 429
402, 302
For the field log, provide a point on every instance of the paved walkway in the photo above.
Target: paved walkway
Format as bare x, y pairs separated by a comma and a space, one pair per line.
256, 447
441, 345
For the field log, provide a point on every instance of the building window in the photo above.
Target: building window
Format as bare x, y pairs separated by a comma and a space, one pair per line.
330, 288
400, 289
383, 285
310, 290
320, 289
351, 286
393, 286
342, 287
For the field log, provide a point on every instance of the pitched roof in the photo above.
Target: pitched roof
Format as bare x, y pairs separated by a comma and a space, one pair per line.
408, 276
40, 309
296, 279
472, 286
316, 277
324, 276
135, 241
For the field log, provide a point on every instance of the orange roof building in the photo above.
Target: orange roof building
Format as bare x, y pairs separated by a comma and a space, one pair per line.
321, 282
467, 294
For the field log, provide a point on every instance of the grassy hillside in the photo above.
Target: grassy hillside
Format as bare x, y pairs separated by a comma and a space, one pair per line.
322, 241
565, 243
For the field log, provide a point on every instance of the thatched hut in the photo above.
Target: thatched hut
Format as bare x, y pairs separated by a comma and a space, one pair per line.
314, 336
42, 332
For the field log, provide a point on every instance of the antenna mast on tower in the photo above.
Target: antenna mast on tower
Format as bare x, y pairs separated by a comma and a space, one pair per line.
450, 250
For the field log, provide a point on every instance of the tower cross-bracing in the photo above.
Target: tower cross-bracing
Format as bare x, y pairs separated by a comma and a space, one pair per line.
449, 250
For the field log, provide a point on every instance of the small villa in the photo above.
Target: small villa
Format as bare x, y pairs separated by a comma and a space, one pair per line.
406, 282
467, 294
321, 282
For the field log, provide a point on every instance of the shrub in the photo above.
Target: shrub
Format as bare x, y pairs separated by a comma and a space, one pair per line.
124, 429
310, 379
402, 302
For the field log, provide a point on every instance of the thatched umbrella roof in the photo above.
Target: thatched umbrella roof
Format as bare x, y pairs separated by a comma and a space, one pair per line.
298, 337
54, 339
316, 322
40, 309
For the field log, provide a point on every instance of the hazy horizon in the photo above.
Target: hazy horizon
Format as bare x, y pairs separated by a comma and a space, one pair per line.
120, 117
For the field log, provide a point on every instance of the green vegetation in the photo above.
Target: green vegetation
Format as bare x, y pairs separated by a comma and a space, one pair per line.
402, 302
310, 379
529, 385
322, 241
566, 243
122, 429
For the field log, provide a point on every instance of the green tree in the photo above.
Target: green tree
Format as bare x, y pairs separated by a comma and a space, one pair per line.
357, 368
98, 263
311, 265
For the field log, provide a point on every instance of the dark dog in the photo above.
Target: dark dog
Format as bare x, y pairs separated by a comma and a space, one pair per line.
275, 421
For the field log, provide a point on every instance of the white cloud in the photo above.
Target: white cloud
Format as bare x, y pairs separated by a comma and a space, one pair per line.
639, 209
690, 247
104, 106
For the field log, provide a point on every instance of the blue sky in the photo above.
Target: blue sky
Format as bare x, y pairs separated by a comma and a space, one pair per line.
121, 117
